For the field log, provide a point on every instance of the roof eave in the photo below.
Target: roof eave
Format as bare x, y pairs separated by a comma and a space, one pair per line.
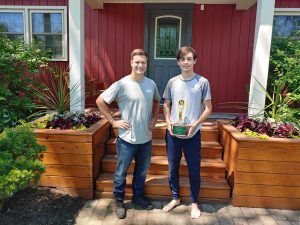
240, 4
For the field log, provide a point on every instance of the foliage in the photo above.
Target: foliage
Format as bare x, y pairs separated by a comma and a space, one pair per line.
56, 95
74, 121
251, 133
277, 106
285, 64
19, 65
290, 115
284, 81
270, 128
19, 159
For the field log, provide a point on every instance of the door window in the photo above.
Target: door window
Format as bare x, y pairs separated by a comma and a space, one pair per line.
167, 36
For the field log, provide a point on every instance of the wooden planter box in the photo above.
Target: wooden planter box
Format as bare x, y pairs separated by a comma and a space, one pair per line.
262, 173
72, 158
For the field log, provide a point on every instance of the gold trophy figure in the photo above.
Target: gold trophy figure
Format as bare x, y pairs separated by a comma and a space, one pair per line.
180, 108
180, 128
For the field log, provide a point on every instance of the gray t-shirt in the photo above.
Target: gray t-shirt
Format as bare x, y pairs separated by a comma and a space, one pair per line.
186, 97
135, 101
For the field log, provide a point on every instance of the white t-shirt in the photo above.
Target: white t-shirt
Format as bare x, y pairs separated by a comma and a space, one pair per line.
135, 101
186, 97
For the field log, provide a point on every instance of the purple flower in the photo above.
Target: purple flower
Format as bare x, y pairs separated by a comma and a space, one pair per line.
283, 130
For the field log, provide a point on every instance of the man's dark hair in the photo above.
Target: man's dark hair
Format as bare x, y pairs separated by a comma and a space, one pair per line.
185, 50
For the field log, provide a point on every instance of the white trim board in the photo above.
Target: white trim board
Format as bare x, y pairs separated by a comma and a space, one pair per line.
287, 11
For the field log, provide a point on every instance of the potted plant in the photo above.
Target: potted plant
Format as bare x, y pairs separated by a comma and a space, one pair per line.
74, 144
262, 172
263, 160
263, 156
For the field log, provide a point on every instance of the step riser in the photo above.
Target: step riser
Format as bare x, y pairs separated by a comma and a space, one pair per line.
165, 191
210, 135
110, 167
207, 153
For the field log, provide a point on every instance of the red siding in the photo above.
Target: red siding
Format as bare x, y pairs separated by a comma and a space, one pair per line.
111, 34
222, 36
224, 40
287, 4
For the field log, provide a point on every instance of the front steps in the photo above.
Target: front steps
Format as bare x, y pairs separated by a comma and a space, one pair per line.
214, 186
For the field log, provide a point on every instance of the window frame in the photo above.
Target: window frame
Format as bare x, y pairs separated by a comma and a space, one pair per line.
287, 12
27, 23
155, 34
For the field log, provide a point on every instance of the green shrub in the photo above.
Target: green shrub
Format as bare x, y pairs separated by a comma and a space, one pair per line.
19, 68
285, 64
20, 162
282, 104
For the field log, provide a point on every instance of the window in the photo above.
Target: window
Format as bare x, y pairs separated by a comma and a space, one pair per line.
286, 24
46, 25
11, 24
46, 28
167, 36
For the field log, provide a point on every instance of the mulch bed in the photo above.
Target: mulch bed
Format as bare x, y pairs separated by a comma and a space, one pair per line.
41, 206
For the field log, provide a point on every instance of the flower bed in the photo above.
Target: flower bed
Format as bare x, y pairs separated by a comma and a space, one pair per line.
261, 173
73, 121
72, 158
265, 129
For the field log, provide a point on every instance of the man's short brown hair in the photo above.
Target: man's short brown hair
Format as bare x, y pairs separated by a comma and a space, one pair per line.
138, 51
185, 50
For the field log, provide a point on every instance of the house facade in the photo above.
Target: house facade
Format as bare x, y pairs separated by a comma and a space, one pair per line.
95, 38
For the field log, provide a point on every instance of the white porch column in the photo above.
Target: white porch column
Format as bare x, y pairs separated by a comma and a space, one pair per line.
76, 52
261, 55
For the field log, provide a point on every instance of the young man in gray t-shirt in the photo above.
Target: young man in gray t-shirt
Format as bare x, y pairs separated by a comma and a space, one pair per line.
187, 103
138, 100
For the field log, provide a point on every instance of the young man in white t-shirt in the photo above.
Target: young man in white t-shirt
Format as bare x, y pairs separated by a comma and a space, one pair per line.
187, 103
138, 100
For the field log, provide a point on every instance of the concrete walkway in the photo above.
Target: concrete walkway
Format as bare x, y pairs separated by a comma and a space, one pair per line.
101, 212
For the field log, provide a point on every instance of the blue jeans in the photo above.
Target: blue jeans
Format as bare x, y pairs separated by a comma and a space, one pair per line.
141, 153
191, 148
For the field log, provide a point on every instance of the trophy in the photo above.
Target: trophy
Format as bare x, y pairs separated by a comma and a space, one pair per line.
180, 128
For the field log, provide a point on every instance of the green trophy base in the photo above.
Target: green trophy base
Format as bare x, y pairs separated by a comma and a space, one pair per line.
180, 129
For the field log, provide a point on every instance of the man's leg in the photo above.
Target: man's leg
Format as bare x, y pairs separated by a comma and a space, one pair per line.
142, 163
192, 156
125, 153
174, 153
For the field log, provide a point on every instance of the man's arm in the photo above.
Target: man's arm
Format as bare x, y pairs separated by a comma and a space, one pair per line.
155, 111
202, 118
104, 109
167, 113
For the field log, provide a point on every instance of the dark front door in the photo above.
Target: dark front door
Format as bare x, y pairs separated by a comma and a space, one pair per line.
167, 27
